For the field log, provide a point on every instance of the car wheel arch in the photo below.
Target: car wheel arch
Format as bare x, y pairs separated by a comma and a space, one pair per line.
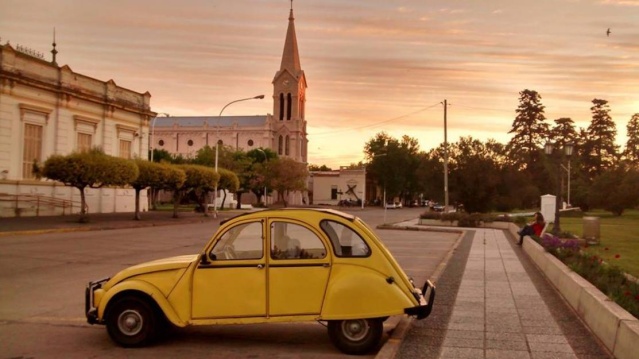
145, 291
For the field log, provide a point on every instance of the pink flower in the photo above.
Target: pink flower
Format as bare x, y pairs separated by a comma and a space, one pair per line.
627, 293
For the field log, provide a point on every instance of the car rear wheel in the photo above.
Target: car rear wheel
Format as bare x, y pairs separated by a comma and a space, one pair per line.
132, 322
357, 336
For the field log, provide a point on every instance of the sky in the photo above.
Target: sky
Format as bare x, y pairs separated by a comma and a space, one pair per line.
371, 65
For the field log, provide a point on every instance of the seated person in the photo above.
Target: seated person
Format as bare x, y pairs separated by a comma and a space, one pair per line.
534, 228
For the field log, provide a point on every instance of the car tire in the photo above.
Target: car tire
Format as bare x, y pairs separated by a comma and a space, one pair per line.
356, 336
132, 322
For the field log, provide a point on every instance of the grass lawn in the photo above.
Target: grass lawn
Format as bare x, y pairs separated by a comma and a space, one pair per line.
619, 236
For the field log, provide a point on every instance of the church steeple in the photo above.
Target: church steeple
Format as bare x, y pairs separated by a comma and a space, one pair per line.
291, 56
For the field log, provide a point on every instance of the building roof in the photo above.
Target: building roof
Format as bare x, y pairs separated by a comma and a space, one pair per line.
210, 121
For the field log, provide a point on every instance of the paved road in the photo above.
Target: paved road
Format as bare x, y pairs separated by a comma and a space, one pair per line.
42, 277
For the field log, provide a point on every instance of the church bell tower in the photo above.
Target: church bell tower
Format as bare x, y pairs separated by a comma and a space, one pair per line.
289, 100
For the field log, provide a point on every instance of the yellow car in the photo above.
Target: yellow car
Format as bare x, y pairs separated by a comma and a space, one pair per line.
284, 265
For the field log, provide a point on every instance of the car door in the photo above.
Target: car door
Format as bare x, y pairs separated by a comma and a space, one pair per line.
232, 282
299, 265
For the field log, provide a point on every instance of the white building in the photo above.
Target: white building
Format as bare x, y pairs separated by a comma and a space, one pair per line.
46, 109
331, 187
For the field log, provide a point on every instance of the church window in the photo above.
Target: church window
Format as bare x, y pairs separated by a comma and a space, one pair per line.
281, 106
220, 142
32, 150
125, 149
85, 141
190, 142
161, 143
288, 107
250, 143
280, 144
287, 145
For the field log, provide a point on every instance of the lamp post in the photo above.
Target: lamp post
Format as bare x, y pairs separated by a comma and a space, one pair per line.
265, 161
152, 146
561, 153
217, 142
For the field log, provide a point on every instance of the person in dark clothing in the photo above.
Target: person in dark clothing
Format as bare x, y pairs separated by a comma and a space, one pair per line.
536, 227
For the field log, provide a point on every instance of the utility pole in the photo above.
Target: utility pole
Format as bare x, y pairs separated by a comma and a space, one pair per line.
445, 156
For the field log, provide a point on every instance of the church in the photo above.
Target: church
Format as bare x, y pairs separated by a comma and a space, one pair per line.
284, 131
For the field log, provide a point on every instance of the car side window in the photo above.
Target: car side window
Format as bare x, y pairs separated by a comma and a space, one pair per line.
346, 242
244, 241
293, 241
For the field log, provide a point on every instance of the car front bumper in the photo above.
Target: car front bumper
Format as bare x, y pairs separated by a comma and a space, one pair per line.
423, 310
89, 309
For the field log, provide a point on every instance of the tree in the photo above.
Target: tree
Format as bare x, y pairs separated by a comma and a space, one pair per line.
392, 163
531, 132
150, 175
286, 174
564, 132
257, 176
474, 175
631, 153
615, 190
93, 169
228, 181
599, 151
322, 168
200, 180
173, 179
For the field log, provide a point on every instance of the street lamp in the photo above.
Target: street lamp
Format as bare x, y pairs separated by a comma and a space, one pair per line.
265, 161
217, 142
152, 147
567, 152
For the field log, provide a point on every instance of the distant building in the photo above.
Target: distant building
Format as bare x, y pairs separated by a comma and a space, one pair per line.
345, 186
46, 109
284, 132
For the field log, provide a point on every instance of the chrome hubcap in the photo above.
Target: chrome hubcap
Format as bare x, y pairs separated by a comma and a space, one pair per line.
130, 322
355, 330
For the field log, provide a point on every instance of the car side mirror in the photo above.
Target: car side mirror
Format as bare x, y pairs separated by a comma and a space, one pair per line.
204, 259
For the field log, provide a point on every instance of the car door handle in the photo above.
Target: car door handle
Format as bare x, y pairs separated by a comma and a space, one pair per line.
326, 265
260, 266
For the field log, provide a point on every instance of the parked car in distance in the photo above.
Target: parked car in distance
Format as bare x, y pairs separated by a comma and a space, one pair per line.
393, 205
437, 207
249, 272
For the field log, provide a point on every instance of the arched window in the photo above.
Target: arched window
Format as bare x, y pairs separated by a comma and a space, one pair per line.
287, 145
289, 105
281, 107
280, 145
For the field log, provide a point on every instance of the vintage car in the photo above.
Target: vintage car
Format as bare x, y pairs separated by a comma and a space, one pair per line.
267, 266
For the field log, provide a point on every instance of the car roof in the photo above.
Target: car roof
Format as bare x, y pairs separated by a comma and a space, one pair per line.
279, 211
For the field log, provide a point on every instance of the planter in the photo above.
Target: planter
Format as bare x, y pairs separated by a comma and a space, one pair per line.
617, 329
436, 222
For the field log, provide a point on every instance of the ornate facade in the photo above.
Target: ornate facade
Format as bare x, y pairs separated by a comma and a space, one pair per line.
46, 109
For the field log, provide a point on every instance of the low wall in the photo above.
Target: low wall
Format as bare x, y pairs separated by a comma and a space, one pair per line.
617, 329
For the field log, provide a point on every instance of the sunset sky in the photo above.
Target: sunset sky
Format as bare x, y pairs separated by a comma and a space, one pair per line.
371, 66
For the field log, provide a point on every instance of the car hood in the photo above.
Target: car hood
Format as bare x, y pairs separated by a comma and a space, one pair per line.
158, 265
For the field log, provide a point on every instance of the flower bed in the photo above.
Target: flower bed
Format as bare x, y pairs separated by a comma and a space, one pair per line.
607, 277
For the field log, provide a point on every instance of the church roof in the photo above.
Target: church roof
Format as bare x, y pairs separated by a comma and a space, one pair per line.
291, 56
210, 121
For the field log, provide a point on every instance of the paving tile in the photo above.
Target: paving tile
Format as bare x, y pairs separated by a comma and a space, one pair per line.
550, 347
506, 354
547, 355
464, 343
463, 326
504, 327
519, 345
505, 336
465, 334
543, 338
541, 330
461, 353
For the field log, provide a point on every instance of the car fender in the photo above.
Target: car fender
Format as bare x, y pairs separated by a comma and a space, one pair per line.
359, 292
141, 287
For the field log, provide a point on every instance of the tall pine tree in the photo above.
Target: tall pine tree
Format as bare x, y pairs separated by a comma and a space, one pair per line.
530, 132
631, 153
599, 151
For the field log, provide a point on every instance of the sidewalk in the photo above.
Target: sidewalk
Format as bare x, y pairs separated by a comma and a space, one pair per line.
492, 302
103, 221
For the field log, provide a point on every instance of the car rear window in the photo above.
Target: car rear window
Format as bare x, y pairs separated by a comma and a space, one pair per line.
346, 242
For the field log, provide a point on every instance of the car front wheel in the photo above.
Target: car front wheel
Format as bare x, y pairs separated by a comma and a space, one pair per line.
356, 336
131, 322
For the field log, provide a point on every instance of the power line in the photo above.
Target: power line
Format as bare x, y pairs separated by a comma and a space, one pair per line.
375, 123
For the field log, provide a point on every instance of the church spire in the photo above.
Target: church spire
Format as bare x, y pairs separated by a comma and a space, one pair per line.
291, 56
